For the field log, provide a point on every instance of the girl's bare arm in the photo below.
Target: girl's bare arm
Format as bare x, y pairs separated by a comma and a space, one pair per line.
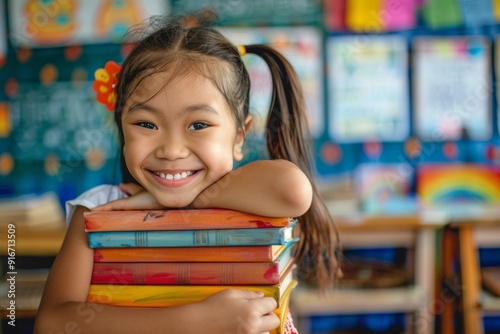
266, 187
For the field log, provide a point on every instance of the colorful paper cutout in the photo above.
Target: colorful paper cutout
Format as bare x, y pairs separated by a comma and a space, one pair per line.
5, 124
364, 15
334, 15
3, 36
496, 9
398, 14
442, 14
477, 12
115, 17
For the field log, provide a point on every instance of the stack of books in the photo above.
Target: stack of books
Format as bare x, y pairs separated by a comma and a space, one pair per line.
173, 257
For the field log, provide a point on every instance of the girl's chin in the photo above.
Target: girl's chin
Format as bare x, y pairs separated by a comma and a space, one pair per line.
175, 204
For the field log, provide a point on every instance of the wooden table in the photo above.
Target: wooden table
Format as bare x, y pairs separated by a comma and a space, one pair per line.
475, 232
373, 231
44, 240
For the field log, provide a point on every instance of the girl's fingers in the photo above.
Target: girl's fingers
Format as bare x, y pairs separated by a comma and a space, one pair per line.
265, 305
120, 204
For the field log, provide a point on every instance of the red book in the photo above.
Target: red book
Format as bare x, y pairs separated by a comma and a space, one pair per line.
193, 273
190, 254
184, 219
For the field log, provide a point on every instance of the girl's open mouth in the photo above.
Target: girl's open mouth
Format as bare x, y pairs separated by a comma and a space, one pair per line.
176, 176
176, 179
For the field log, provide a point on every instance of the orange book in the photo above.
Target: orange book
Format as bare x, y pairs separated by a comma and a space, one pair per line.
195, 273
191, 254
184, 219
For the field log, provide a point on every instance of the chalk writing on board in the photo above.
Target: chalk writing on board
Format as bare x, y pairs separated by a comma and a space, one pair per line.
59, 119
256, 11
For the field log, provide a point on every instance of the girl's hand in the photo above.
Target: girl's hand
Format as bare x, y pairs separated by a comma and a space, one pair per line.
139, 199
237, 311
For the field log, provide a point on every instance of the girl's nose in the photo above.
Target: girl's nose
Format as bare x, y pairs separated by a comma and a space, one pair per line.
171, 147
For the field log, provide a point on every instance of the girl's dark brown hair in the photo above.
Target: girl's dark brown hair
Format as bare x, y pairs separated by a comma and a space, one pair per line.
180, 46
287, 136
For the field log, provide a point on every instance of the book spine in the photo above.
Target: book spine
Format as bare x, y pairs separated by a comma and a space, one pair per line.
165, 295
178, 220
186, 273
186, 254
191, 238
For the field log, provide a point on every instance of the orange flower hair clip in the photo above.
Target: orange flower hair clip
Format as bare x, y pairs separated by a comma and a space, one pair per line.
106, 80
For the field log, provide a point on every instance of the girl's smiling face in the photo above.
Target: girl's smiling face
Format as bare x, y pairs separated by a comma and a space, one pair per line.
180, 137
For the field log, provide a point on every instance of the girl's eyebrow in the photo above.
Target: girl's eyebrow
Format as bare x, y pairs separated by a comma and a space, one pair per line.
189, 109
142, 106
202, 107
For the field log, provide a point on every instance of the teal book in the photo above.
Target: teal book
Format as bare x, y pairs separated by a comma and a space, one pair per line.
192, 238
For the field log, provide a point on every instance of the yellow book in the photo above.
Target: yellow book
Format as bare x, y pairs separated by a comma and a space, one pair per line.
282, 311
173, 295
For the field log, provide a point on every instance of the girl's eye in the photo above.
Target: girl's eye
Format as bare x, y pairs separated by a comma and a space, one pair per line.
147, 125
198, 126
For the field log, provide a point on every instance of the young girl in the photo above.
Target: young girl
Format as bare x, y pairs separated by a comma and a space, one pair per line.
182, 111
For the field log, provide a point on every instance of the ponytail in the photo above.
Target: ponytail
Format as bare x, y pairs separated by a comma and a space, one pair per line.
288, 138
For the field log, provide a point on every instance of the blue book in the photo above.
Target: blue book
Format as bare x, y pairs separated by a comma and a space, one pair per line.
192, 238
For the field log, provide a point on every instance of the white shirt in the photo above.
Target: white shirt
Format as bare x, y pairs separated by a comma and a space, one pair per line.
94, 197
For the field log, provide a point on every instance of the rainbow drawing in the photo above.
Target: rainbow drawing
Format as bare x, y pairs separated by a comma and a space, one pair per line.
380, 182
471, 183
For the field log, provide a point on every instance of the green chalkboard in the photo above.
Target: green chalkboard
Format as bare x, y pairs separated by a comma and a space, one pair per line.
256, 12
61, 119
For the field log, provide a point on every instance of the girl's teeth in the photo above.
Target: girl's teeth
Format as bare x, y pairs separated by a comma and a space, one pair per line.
176, 176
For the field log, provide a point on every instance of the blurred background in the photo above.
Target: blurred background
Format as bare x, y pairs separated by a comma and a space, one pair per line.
403, 110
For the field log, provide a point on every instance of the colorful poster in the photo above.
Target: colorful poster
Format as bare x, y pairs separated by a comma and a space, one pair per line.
368, 94
302, 47
452, 88
384, 188
56, 22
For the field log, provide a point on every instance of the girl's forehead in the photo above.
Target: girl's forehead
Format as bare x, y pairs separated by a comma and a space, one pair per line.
159, 82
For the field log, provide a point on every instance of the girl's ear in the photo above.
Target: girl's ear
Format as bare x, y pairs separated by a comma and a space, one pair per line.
240, 138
